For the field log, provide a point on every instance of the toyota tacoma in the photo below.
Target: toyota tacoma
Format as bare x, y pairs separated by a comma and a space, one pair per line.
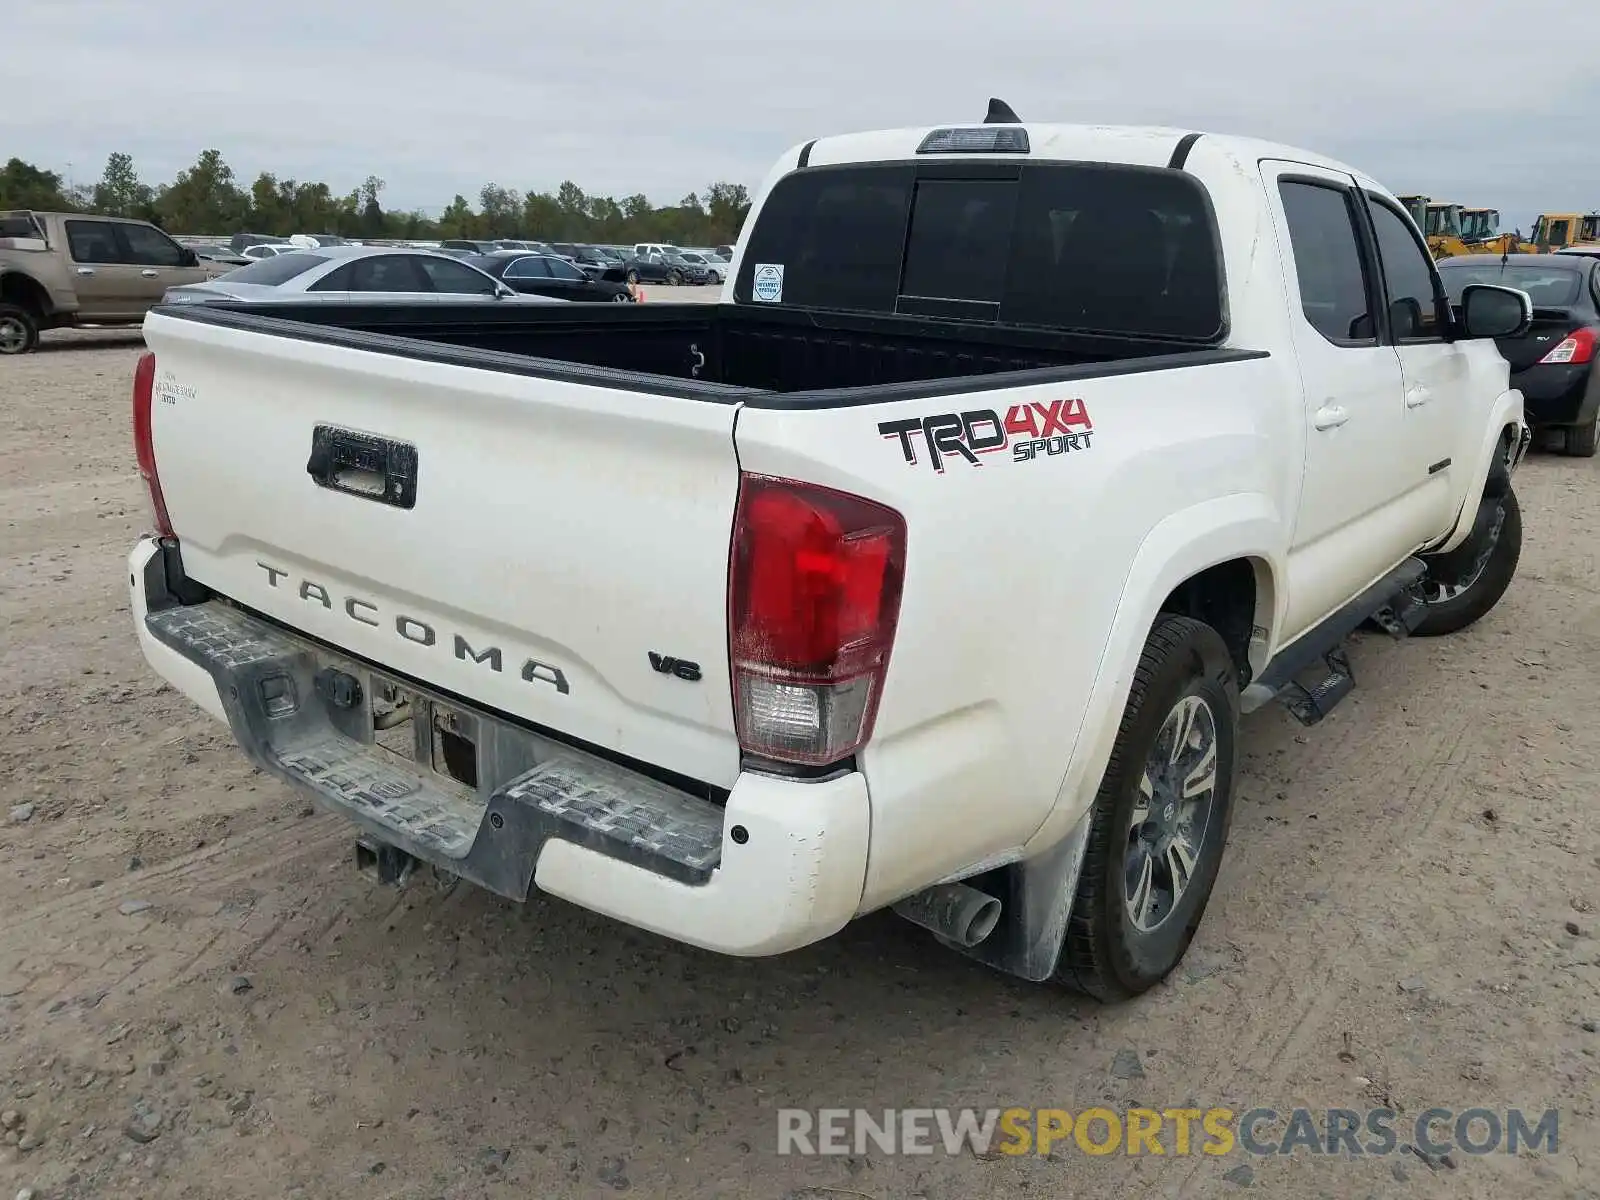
931, 570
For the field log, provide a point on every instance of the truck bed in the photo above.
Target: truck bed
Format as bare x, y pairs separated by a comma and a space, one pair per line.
726, 352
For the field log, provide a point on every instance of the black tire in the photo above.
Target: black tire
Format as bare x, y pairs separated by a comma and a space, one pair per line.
674, 279
621, 298
633, 276
19, 330
1450, 610
1582, 440
1108, 952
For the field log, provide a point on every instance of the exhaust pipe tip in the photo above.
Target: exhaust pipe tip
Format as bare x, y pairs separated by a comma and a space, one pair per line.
953, 911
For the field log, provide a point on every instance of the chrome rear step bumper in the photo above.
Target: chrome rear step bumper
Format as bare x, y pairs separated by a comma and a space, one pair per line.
487, 826
778, 864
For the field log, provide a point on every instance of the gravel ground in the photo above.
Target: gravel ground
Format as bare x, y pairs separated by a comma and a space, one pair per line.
200, 998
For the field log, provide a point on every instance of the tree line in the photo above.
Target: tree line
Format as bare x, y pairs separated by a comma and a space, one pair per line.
207, 199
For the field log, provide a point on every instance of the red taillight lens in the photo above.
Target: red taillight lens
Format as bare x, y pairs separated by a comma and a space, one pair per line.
1575, 349
813, 596
144, 448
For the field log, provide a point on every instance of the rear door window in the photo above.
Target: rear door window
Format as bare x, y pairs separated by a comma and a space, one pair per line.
93, 242
276, 269
528, 268
1082, 246
382, 273
1327, 261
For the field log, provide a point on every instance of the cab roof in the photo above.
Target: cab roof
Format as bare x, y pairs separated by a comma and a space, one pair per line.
1137, 145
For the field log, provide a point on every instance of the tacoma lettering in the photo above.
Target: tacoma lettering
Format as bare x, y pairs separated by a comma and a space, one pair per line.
422, 633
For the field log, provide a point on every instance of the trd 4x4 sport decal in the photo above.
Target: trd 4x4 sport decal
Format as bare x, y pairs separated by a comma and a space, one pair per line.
1029, 431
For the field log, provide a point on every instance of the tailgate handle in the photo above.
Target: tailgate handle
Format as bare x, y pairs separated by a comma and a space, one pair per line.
364, 464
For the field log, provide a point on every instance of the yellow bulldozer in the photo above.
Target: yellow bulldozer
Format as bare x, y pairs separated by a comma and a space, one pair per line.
1556, 231
1454, 229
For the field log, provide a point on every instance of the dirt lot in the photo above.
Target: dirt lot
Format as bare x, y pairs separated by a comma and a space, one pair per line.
199, 997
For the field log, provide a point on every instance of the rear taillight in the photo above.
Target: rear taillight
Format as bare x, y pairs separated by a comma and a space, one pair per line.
144, 390
1575, 349
813, 596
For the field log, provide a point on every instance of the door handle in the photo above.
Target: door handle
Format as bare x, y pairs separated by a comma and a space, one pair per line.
1418, 396
149, 274
1331, 416
85, 270
364, 464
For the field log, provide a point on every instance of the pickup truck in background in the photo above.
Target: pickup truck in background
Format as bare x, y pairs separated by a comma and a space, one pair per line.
931, 570
65, 269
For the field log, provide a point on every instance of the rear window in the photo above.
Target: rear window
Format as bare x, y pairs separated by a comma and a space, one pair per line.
1083, 246
280, 268
1549, 287
18, 227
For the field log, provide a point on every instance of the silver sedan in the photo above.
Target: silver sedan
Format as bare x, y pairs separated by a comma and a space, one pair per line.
353, 273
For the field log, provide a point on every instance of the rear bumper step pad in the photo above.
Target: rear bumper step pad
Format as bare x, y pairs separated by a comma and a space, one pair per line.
491, 835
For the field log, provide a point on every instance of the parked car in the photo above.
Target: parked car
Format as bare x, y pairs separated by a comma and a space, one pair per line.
671, 269
549, 275
738, 666
63, 269
595, 261
1552, 363
342, 273
239, 241
218, 253
517, 244
317, 241
713, 270
217, 260
467, 246
260, 250
1586, 251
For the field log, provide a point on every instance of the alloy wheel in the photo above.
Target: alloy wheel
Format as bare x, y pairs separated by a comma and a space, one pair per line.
1171, 814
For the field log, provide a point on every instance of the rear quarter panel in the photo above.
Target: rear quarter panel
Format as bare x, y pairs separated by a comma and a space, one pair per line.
1017, 570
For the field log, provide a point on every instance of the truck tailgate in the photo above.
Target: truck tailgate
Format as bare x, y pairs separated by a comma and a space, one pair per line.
556, 551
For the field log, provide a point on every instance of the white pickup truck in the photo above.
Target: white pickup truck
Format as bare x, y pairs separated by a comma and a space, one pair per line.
930, 570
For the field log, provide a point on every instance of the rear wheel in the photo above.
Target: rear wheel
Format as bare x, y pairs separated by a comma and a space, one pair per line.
1474, 582
633, 276
19, 330
674, 279
1582, 439
1160, 819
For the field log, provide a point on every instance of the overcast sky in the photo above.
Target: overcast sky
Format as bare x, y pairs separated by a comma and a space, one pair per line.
1471, 102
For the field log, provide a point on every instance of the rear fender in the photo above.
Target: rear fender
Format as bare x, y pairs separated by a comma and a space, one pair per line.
1245, 525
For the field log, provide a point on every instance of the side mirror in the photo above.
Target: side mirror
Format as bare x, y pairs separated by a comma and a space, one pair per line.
1491, 311
502, 292
187, 257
